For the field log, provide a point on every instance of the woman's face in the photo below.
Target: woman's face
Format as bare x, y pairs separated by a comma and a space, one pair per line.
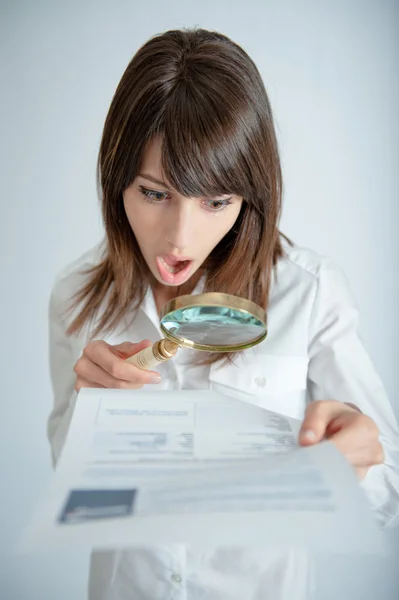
175, 233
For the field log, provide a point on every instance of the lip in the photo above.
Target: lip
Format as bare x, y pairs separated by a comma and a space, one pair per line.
176, 258
173, 278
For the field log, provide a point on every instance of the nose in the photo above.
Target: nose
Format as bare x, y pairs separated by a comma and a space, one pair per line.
180, 225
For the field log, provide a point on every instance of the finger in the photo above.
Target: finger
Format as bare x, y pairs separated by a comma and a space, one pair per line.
361, 472
81, 382
317, 417
101, 354
357, 437
91, 372
127, 349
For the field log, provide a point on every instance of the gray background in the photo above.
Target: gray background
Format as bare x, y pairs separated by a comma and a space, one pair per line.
332, 73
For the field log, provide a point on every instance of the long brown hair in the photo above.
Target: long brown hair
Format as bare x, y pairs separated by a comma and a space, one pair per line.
204, 97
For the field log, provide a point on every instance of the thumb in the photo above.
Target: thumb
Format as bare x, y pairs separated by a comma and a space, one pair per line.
127, 349
318, 415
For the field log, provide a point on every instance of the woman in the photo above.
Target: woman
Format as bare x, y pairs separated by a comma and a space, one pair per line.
191, 198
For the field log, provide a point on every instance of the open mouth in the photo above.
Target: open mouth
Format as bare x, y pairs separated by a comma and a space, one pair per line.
173, 270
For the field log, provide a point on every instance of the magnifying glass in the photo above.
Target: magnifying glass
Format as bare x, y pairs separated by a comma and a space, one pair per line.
212, 322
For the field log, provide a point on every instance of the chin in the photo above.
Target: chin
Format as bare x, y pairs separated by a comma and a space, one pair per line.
159, 279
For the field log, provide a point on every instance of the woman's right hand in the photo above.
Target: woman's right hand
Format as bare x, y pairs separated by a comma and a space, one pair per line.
103, 366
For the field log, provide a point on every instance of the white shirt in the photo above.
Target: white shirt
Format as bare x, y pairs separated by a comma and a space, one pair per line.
312, 352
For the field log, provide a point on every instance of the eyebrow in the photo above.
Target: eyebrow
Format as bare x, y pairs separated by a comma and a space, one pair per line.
153, 180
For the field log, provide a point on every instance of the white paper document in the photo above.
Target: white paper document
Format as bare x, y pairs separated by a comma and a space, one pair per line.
196, 467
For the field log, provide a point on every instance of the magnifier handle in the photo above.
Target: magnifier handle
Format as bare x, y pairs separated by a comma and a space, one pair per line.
154, 355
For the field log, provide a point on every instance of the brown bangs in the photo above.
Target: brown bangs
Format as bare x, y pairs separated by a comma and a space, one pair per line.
205, 145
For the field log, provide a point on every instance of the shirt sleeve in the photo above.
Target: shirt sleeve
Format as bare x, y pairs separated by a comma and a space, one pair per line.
62, 362
340, 369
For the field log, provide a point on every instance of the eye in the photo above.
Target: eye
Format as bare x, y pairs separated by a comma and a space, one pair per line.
153, 195
215, 205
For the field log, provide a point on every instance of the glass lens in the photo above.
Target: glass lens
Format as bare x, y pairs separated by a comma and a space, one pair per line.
213, 325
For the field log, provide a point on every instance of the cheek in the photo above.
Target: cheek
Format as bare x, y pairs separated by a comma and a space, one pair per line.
140, 218
220, 224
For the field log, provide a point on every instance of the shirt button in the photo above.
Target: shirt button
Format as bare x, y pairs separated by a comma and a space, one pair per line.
176, 578
260, 381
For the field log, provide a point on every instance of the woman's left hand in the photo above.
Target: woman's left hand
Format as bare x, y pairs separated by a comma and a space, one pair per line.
353, 433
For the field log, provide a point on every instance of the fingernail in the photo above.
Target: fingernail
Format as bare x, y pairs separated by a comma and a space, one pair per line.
308, 434
155, 378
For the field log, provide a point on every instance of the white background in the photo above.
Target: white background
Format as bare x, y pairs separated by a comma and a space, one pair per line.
332, 73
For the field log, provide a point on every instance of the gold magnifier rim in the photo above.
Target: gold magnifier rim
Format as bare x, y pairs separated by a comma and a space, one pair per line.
214, 299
